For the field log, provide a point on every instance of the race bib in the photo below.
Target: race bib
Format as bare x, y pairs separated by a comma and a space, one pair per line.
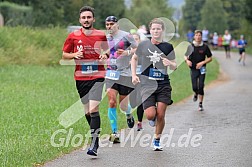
112, 74
156, 74
113, 61
203, 70
138, 69
89, 67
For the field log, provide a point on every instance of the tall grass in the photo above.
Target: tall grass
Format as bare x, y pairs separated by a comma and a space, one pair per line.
22, 45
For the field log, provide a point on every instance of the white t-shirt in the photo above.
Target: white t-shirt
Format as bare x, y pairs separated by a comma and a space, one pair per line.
226, 39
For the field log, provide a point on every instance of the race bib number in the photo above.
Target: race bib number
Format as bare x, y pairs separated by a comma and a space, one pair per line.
89, 67
112, 74
203, 70
138, 69
113, 61
156, 74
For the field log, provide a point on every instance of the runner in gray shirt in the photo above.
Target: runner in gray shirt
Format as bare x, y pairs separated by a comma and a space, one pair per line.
118, 76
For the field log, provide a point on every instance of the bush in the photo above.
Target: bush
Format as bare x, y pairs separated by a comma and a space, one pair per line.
16, 14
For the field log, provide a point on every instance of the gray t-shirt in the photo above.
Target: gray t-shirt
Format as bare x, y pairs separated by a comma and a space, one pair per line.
121, 40
152, 65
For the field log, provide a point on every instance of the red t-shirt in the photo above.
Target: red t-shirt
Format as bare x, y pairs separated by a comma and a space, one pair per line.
88, 68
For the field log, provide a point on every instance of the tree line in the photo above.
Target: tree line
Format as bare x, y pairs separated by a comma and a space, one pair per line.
217, 15
66, 12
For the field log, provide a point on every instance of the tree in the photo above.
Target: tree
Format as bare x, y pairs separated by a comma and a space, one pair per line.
106, 8
142, 12
48, 12
248, 10
71, 10
235, 13
15, 14
191, 13
217, 20
20, 2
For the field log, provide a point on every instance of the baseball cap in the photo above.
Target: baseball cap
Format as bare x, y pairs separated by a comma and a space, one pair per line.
111, 18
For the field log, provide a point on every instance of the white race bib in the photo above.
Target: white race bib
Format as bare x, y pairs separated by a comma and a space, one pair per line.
112, 74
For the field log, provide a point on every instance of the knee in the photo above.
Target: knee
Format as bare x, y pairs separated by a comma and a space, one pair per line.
201, 93
195, 88
112, 103
150, 115
201, 90
123, 107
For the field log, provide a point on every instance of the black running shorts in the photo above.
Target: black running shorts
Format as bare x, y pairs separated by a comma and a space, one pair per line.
151, 96
90, 90
124, 85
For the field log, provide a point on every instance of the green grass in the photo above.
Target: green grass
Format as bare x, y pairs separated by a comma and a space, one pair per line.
21, 45
33, 97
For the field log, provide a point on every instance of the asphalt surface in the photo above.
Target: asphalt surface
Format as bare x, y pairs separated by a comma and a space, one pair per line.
221, 135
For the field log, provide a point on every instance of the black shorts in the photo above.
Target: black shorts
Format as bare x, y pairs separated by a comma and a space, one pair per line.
150, 96
226, 47
124, 85
241, 51
90, 89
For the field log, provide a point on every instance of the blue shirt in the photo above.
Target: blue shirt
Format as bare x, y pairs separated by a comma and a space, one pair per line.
242, 42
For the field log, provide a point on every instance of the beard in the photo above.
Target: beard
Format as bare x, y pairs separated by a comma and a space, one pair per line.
87, 27
110, 31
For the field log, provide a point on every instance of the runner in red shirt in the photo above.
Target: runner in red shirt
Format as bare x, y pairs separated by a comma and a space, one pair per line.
88, 47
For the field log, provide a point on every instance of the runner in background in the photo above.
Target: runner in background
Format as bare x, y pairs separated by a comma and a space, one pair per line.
226, 43
242, 43
195, 58
135, 95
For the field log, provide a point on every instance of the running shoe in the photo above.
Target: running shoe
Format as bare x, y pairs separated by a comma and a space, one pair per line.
139, 126
114, 138
93, 148
130, 121
201, 107
156, 145
92, 152
152, 123
195, 97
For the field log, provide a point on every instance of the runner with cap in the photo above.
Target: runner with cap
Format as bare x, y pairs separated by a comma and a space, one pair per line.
118, 76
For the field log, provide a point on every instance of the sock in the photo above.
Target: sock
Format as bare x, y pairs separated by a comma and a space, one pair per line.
95, 125
140, 112
88, 118
128, 112
157, 137
112, 119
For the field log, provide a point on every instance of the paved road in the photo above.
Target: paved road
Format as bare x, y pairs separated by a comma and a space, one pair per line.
225, 127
